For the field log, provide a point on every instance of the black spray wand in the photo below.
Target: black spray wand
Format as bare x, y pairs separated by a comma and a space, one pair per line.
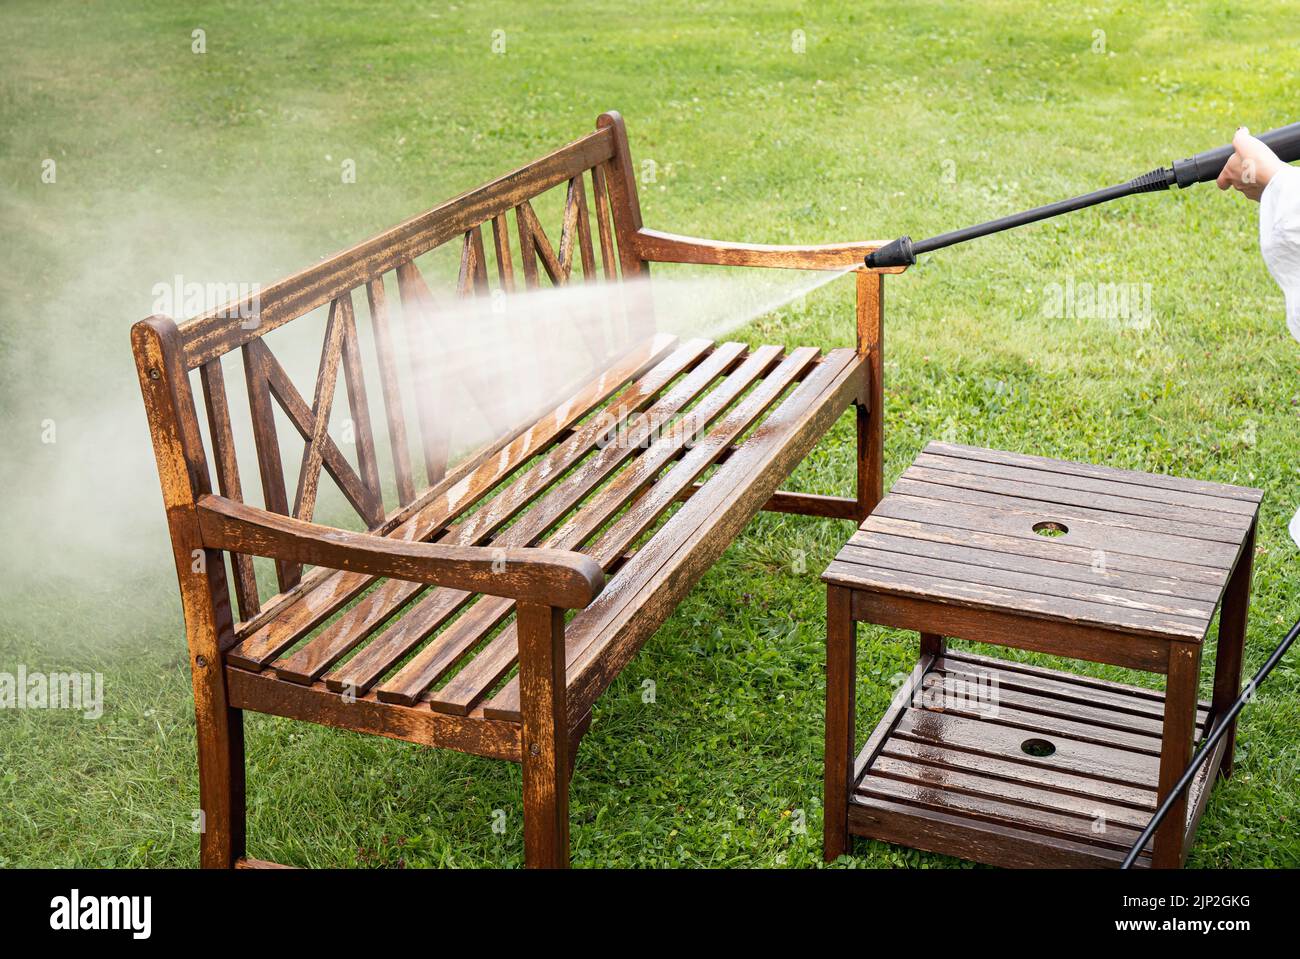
1284, 141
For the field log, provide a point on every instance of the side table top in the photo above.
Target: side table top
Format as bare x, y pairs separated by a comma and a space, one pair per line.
1119, 549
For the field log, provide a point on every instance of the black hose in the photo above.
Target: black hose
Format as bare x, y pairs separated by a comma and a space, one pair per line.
1201, 168
1147, 183
1221, 726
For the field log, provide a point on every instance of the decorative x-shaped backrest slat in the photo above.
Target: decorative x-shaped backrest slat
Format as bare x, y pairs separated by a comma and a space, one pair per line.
576, 228
266, 379
439, 345
473, 265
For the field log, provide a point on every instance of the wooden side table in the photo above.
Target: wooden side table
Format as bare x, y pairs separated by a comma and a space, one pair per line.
1015, 765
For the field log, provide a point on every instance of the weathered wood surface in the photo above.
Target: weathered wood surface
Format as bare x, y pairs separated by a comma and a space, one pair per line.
1049, 768
1084, 804
410, 629
670, 248
1142, 554
218, 332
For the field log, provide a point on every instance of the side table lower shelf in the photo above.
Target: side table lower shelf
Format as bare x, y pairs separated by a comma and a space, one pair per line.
1052, 769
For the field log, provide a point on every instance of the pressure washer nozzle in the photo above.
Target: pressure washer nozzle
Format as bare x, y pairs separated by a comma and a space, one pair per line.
897, 253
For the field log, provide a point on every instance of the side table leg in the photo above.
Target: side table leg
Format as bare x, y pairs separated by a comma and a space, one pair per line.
1176, 749
1232, 643
841, 671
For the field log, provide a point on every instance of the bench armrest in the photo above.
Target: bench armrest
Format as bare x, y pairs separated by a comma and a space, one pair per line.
671, 248
551, 577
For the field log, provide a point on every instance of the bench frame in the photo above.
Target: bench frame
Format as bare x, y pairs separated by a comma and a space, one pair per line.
544, 582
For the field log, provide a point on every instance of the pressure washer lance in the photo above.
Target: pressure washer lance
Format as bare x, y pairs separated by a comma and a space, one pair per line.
1284, 141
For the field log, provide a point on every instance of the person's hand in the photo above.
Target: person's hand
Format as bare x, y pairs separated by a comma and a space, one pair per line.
1251, 167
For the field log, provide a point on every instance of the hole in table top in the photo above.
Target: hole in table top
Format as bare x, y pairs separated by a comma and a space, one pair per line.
1037, 747
1051, 528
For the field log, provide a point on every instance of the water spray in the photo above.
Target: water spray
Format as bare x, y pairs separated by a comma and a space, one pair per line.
1201, 168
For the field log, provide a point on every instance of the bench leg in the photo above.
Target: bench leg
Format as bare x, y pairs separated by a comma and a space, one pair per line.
1232, 642
546, 742
219, 729
1176, 749
841, 660
221, 788
934, 645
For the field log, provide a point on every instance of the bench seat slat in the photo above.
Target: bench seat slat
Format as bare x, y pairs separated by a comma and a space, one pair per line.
490, 665
309, 608
422, 619
325, 650
604, 637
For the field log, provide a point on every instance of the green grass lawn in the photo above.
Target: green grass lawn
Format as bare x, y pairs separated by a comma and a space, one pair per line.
914, 118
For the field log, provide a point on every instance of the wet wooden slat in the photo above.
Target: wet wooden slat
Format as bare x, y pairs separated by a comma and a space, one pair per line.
1003, 742
1081, 785
1100, 720
606, 634
573, 209
1026, 556
1090, 484
359, 408
969, 594
430, 613
977, 784
1086, 533
304, 501
487, 668
1098, 697
585, 250
554, 264
461, 491
970, 496
1035, 581
1037, 720
1221, 524
1068, 468
527, 244
270, 467
607, 252
501, 243
993, 809
227, 467
391, 390
431, 395
222, 329
962, 835
473, 264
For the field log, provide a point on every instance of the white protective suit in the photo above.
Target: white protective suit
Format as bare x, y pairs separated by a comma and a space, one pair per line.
1279, 238
1279, 241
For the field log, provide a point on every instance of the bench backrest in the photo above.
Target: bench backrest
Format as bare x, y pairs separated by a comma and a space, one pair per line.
595, 166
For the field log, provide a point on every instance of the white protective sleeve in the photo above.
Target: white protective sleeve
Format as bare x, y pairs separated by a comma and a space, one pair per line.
1279, 238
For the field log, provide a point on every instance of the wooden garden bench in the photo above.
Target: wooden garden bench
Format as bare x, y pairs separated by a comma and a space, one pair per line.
397, 630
